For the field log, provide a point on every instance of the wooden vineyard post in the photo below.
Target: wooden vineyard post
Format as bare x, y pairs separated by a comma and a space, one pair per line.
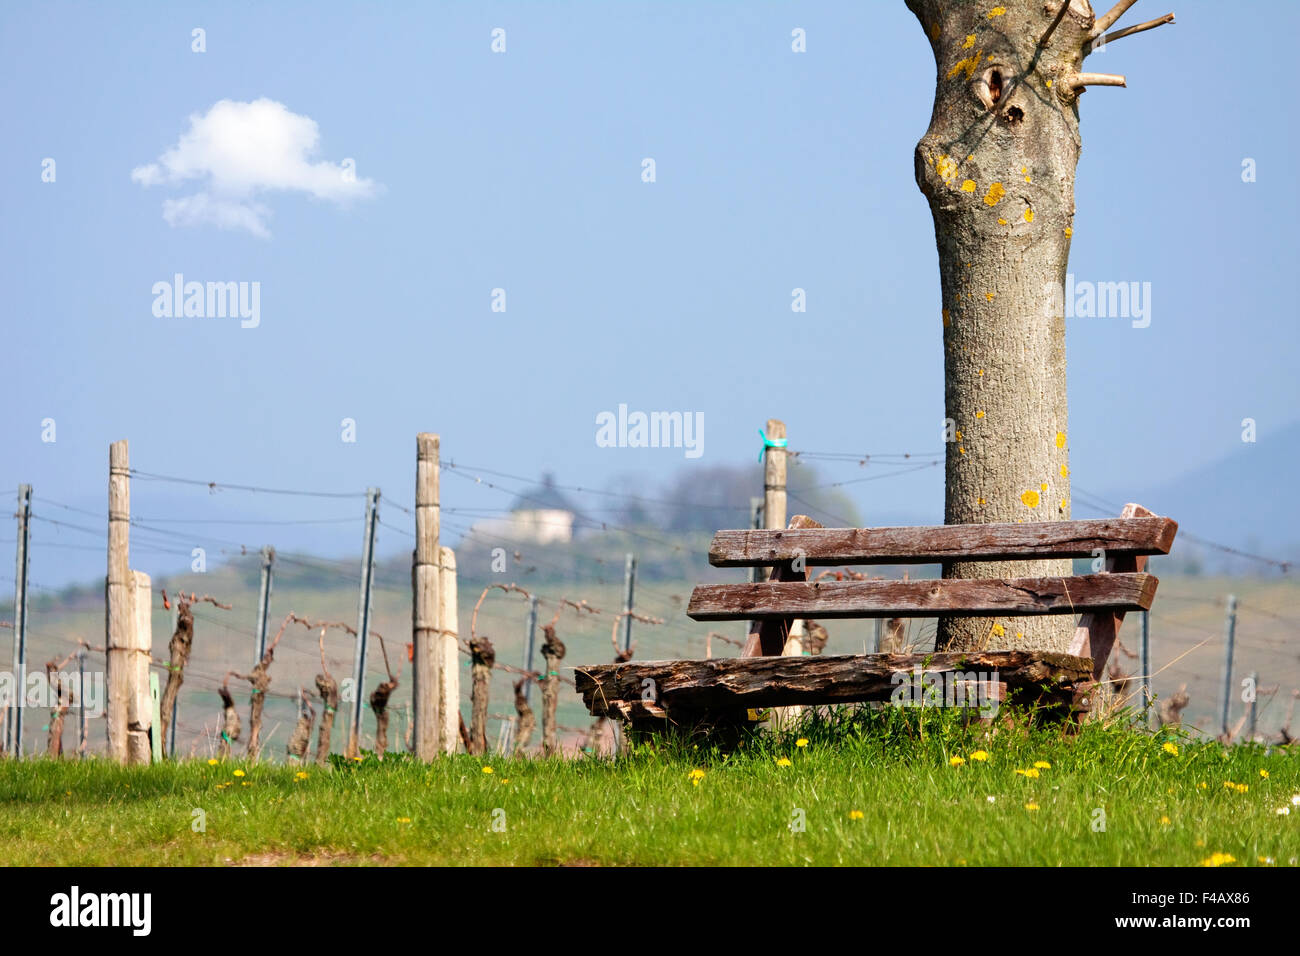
139, 718
552, 653
774, 474
119, 621
448, 651
426, 637
21, 563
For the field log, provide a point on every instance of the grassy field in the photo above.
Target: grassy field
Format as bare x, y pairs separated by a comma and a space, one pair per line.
882, 787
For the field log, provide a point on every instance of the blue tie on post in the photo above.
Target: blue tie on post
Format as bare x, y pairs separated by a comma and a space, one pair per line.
769, 443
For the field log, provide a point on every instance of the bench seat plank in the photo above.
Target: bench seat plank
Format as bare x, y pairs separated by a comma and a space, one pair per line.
931, 545
688, 687
925, 598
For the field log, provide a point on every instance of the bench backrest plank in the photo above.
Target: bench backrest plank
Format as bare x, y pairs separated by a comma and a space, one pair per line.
1137, 535
926, 598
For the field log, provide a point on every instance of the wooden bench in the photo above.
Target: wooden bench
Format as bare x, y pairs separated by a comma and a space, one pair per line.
652, 695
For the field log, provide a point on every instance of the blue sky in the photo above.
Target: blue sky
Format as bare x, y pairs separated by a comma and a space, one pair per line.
522, 170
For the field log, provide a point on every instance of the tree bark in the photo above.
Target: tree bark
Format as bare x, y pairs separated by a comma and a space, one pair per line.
997, 165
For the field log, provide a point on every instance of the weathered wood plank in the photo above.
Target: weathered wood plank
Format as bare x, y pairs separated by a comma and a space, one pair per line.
931, 545
928, 598
700, 686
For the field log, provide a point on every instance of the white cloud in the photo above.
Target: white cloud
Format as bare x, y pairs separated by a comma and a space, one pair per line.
240, 150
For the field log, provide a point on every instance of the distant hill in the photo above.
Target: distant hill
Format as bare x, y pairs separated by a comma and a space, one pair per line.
1240, 500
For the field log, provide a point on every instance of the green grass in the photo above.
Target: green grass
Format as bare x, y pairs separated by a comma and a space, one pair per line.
645, 808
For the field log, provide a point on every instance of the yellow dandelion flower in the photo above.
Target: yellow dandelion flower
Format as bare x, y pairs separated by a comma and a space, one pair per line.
980, 755
403, 819
1032, 773
855, 814
1164, 821
239, 773
1264, 774
1031, 806
783, 761
213, 761
955, 761
801, 742
300, 775
1170, 748
1042, 765
697, 774
1219, 859
1201, 785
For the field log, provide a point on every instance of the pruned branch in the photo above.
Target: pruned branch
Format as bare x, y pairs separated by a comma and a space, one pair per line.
1078, 82
578, 606
613, 635
205, 599
1103, 22
1056, 22
473, 620
1129, 31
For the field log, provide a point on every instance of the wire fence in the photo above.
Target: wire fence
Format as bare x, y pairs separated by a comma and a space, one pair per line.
66, 625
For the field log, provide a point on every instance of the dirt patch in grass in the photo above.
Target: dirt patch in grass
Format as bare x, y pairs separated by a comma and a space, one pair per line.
318, 858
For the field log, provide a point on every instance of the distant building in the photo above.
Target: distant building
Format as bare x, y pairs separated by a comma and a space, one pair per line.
540, 515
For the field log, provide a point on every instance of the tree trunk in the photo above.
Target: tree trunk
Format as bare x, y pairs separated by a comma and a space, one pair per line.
300, 739
379, 704
482, 657
329, 695
181, 643
229, 722
553, 650
527, 723
997, 166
